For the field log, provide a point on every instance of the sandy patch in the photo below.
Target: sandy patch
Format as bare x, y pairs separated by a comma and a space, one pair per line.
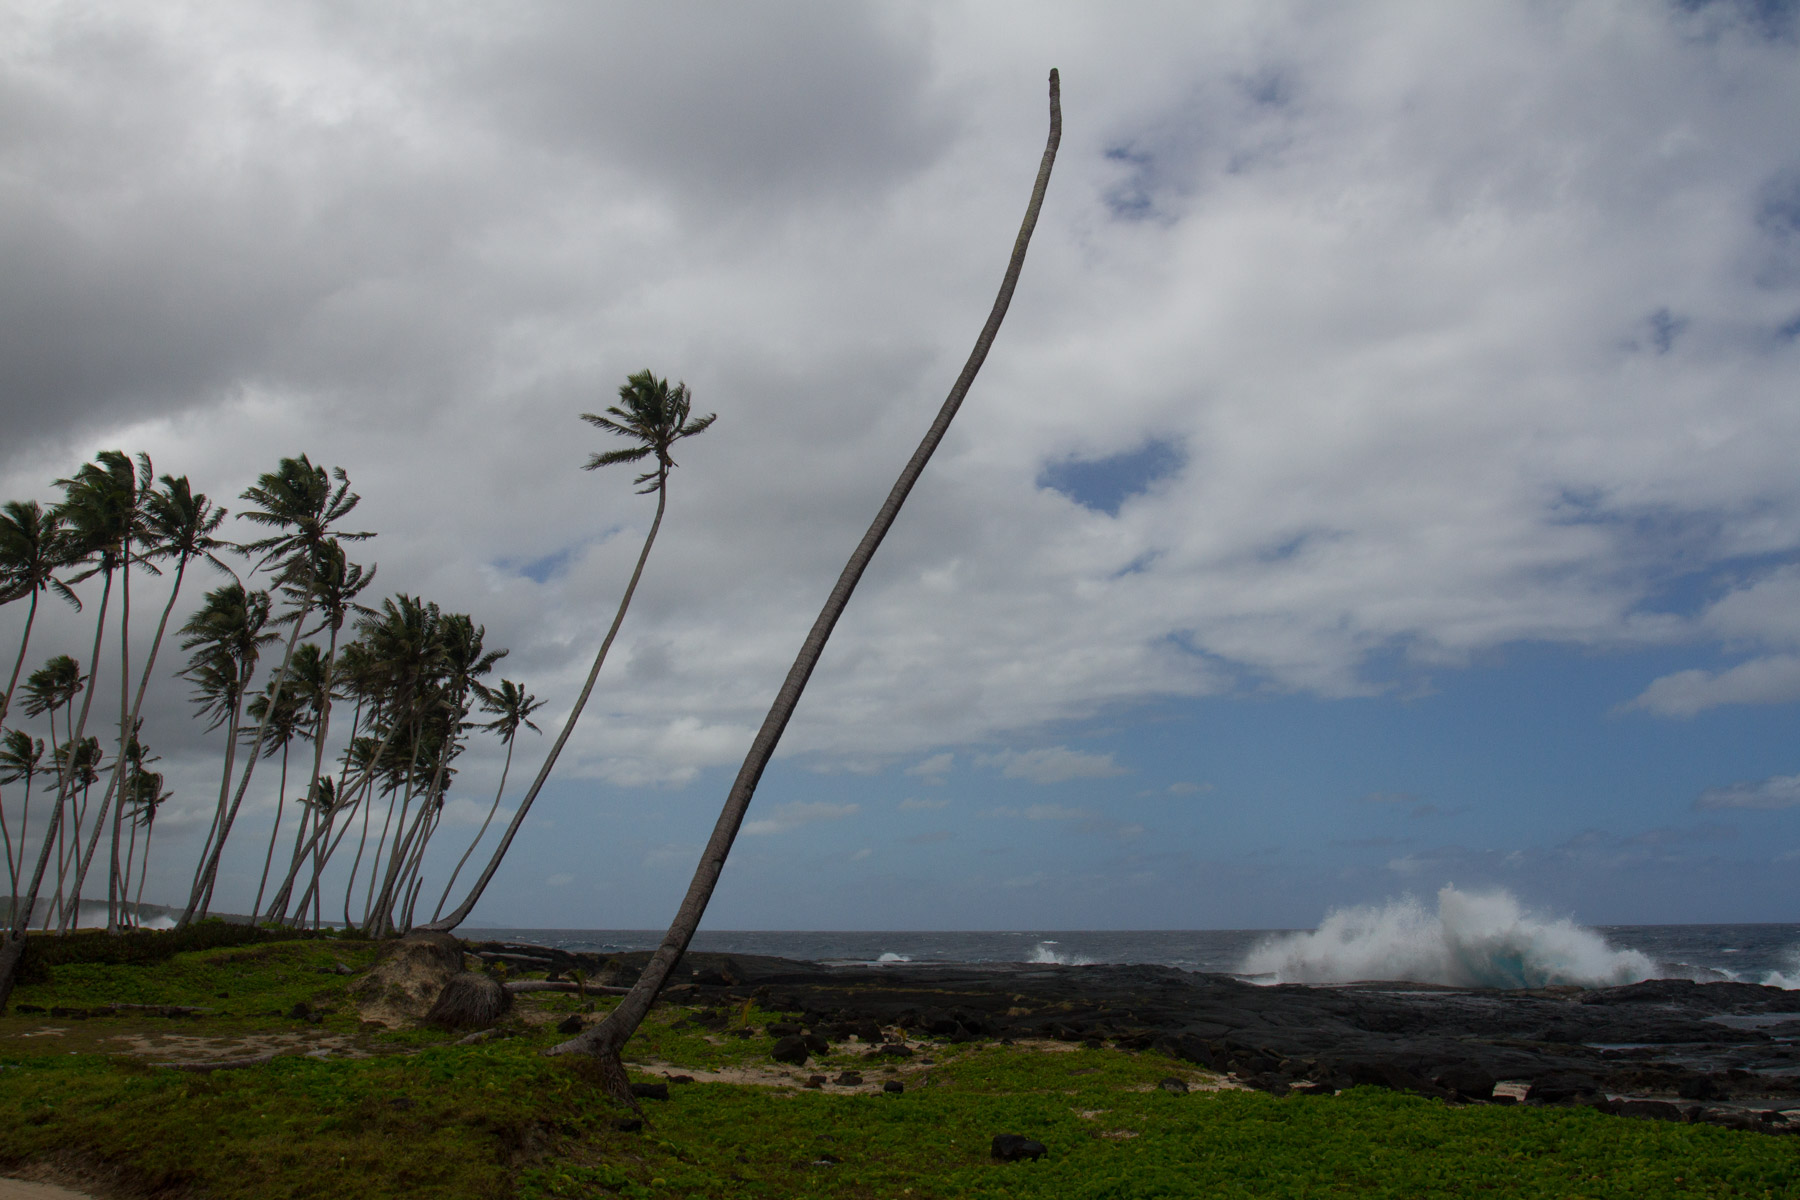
24, 1189
191, 1048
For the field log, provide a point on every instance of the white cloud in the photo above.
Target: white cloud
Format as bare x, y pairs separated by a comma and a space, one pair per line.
1052, 764
1778, 791
861, 854
934, 769
914, 804
560, 879
794, 814
1042, 812
1771, 680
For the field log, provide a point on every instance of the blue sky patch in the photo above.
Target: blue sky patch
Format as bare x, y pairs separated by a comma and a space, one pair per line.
1104, 484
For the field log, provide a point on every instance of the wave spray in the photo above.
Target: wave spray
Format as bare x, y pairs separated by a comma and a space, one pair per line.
1474, 939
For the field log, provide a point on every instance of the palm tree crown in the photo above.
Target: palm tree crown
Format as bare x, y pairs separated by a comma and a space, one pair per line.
33, 547
656, 416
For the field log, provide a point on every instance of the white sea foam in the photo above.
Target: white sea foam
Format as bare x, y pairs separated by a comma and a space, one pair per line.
1043, 953
1789, 975
1474, 939
888, 956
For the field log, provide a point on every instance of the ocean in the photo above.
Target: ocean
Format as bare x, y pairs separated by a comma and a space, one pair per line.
1471, 939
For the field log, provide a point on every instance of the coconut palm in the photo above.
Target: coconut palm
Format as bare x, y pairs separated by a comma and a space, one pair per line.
50, 689
335, 583
654, 416
300, 501
103, 508
511, 706
606, 1038
33, 548
21, 757
287, 718
226, 636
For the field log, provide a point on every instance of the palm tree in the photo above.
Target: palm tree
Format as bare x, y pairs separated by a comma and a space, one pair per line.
512, 707
104, 511
33, 548
336, 582
80, 762
606, 1038
287, 719
145, 796
52, 687
300, 501
21, 757
227, 636
654, 416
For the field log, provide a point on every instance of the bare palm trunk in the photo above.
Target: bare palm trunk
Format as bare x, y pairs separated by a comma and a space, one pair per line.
462, 910
605, 1039
481, 833
24, 642
209, 870
274, 833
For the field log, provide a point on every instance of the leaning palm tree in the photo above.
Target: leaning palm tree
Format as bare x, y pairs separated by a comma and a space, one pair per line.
227, 636
654, 416
300, 501
606, 1038
287, 719
511, 706
33, 548
21, 757
51, 688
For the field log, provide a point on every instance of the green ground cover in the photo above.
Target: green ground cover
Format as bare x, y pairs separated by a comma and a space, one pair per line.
421, 1116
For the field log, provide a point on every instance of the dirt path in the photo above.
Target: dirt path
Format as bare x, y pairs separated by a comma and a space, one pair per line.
24, 1189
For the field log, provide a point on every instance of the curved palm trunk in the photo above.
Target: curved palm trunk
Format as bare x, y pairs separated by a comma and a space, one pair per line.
605, 1039
274, 833
481, 833
201, 897
462, 910
24, 642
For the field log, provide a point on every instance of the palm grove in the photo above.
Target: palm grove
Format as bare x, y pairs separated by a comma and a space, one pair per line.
350, 712
412, 675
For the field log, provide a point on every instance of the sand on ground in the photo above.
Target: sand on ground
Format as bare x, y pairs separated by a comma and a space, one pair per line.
24, 1189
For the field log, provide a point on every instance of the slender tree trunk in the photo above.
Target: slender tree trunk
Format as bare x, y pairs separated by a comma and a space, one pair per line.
209, 872
116, 790
605, 1039
144, 868
274, 833
13, 683
462, 911
481, 833
231, 741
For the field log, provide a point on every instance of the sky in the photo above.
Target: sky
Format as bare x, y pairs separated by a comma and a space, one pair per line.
1384, 478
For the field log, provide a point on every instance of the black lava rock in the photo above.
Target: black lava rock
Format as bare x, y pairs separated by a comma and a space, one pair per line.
1174, 1086
570, 1024
790, 1049
893, 1087
1016, 1147
650, 1091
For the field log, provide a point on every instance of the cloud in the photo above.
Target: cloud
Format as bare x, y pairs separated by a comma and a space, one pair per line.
794, 814
1777, 791
930, 839
1188, 788
914, 804
1041, 812
1052, 764
560, 879
1414, 806
934, 769
1771, 680
861, 854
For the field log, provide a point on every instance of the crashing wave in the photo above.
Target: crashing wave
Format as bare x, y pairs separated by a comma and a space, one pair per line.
1474, 939
1043, 953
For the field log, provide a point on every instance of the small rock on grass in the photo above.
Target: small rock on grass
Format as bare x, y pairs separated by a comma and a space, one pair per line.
815, 1081
894, 1086
848, 1079
650, 1091
1174, 1086
790, 1050
1015, 1147
570, 1024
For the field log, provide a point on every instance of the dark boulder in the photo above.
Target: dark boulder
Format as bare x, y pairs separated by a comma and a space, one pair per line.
849, 1079
469, 1001
650, 1091
1016, 1147
893, 1087
790, 1049
570, 1024
1174, 1086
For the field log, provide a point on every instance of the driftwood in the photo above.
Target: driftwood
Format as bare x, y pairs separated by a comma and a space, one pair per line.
563, 985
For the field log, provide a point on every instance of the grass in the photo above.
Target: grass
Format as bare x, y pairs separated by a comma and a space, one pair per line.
421, 1116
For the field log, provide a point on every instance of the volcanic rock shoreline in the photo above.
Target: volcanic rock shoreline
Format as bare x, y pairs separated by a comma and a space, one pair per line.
1726, 1053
